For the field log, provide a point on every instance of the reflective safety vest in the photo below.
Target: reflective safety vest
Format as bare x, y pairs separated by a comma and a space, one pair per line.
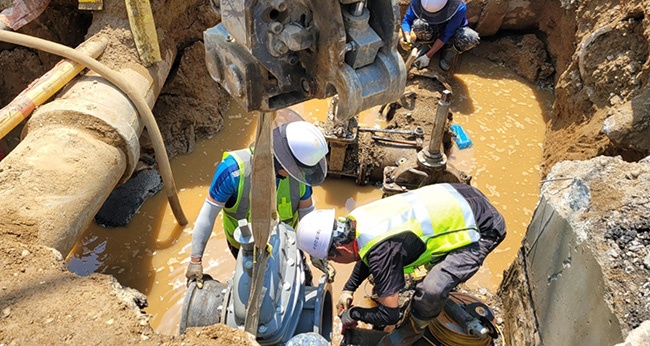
437, 213
288, 195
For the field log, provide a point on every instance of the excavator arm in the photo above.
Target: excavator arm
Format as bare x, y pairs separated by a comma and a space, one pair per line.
271, 54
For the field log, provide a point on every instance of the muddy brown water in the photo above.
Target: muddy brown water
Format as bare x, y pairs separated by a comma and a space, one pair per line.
502, 114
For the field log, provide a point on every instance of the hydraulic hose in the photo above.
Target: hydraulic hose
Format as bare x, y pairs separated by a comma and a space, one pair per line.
138, 101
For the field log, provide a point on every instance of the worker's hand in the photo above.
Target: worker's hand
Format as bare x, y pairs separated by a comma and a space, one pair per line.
195, 272
326, 267
421, 62
347, 322
331, 272
345, 301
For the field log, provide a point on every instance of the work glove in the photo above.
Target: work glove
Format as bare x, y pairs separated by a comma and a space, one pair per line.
345, 301
405, 42
406, 45
195, 272
347, 322
326, 267
421, 62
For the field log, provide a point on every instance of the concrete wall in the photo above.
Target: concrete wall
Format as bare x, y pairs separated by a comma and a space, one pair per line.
567, 284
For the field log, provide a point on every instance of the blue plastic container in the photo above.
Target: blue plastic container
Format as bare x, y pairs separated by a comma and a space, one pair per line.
462, 140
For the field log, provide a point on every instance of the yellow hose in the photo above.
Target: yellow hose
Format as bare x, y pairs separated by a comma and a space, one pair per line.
139, 102
43, 88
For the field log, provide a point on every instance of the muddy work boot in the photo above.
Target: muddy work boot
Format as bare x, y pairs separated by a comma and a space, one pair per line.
406, 334
448, 57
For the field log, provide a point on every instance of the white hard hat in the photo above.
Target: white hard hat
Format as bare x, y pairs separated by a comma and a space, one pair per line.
314, 233
432, 6
300, 148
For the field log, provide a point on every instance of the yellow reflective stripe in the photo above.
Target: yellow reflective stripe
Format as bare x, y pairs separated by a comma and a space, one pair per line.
468, 214
421, 213
230, 222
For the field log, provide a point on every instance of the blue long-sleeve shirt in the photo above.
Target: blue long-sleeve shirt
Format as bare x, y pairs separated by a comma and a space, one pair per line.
448, 28
225, 182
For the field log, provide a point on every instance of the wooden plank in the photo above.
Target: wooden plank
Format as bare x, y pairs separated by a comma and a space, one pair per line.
263, 213
144, 30
91, 5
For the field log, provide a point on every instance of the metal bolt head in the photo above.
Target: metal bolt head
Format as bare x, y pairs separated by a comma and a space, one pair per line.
276, 27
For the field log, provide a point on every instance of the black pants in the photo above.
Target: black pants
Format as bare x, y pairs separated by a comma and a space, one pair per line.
457, 267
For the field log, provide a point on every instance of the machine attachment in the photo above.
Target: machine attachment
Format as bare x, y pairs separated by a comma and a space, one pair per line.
271, 54
430, 165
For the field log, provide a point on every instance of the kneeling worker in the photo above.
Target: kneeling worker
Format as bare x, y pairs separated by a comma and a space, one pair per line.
450, 226
436, 24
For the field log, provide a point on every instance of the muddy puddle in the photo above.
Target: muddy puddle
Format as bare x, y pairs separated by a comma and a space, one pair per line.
502, 114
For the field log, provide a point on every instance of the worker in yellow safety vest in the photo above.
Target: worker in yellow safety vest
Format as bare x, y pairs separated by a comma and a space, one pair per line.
299, 150
449, 228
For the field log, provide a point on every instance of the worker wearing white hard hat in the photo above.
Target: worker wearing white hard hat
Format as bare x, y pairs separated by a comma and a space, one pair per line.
300, 162
447, 229
436, 24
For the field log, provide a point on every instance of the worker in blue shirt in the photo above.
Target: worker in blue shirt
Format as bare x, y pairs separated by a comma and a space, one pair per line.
438, 24
299, 150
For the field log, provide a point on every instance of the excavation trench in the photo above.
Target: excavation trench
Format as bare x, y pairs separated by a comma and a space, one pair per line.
600, 78
151, 253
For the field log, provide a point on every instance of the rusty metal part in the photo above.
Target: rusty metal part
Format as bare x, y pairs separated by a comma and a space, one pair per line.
408, 176
429, 165
433, 157
270, 54
417, 131
338, 150
433, 73
416, 143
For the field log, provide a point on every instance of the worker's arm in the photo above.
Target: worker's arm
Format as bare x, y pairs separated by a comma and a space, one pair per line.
305, 207
387, 312
435, 47
359, 273
223, 188
409, 17
203, 227
200, 235
386, 263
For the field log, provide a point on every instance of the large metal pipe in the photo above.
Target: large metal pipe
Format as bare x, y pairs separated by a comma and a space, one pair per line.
74, 151
43, 88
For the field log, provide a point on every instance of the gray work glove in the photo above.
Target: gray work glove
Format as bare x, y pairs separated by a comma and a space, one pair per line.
195, 272
325, 266
345, 301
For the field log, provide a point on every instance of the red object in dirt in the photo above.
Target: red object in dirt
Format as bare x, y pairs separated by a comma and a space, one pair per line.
22, 12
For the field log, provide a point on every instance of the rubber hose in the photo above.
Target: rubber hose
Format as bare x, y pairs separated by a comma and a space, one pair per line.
117, 80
